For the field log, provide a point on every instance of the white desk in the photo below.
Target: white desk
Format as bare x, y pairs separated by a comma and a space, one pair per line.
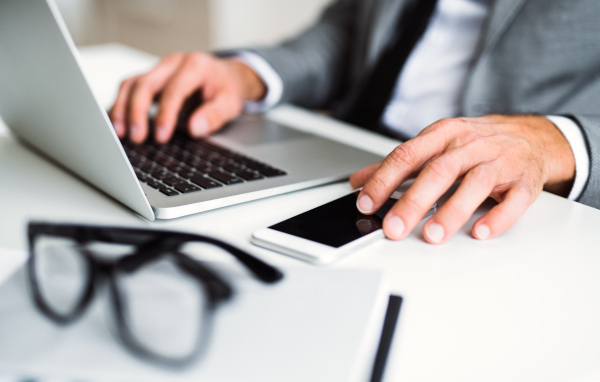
522, 307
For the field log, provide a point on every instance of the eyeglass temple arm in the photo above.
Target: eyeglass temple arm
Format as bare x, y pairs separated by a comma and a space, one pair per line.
262, 270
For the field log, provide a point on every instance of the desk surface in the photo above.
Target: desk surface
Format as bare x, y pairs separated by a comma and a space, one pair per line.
522, 307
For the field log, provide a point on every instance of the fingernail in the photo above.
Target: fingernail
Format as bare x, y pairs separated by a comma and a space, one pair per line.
200, 127
364, 204
394, 227
162, 135
135, 132
482, 232
435, 232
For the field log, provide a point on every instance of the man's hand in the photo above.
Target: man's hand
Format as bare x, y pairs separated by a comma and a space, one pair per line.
510, 159
225, 83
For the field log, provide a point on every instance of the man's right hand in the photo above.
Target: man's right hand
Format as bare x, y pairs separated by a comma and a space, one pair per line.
226, 83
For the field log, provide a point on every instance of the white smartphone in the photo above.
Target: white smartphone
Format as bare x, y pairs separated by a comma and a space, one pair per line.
326, 233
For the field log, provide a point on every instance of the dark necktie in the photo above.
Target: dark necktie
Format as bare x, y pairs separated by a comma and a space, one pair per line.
376, 89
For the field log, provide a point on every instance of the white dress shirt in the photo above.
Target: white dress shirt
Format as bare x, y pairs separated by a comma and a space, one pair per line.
431, 83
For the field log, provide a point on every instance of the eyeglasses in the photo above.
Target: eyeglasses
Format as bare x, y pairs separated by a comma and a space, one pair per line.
163, 300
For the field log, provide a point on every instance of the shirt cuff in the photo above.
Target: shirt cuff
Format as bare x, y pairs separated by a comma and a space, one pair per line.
268, 75
574, 136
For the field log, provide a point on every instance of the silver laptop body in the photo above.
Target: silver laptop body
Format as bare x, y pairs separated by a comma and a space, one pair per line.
46, 101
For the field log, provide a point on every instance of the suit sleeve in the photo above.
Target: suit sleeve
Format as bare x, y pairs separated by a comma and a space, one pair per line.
590, 126
313, 65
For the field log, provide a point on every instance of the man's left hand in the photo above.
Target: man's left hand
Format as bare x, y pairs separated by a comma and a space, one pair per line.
508, 158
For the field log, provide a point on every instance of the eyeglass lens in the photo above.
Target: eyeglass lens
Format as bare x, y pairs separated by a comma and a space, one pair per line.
164, 308
62, 273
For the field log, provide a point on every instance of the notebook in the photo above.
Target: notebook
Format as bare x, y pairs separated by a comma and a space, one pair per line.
315, 325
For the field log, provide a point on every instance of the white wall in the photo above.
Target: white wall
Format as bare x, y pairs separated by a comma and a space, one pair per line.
76, 14
160, 26
238, 23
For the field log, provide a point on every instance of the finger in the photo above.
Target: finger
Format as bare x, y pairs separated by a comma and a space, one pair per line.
142, 95
212, 115
476, 186
433, 181
189, 77
504, 215
397, 167
359, 178
119, 108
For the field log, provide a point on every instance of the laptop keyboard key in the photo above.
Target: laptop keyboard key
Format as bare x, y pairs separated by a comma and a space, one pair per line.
249, 175
206, 169
141, 176
165, 162
142, 150
175, 167
270, 172
148, 167
182, 155
253, 165
154, 184
232, 168
172, 181
168, 191
224, 178
161, 175
220, 162
205, 182
135, 162
187, 188
188, 174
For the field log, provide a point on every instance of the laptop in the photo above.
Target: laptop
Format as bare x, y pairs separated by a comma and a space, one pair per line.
47, 103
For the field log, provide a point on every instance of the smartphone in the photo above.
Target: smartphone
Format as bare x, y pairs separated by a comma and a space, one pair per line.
326, 233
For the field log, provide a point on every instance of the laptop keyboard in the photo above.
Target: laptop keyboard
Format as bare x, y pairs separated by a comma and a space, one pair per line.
183, 166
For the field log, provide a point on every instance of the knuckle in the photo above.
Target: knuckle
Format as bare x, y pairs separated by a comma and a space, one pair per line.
411, 203
439, 125
169, 95
524, 192
459, 215
484, 176
141, 88
445, 124
378, 181
197, 59
143, 81
173, 56
442, 169
403, 155
126, 84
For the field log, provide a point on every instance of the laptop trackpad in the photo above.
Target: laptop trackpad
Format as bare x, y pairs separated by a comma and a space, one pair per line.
251, 130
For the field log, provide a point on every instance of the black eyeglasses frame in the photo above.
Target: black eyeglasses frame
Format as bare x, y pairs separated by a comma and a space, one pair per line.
150, 246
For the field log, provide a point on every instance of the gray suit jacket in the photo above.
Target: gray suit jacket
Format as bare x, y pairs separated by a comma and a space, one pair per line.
534, 56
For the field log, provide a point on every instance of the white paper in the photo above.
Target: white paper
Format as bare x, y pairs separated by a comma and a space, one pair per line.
10, 261
312, 326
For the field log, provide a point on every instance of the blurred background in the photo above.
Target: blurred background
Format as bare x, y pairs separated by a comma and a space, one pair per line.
162, 26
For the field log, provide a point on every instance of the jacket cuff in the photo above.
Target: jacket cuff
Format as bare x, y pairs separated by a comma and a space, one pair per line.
572, 132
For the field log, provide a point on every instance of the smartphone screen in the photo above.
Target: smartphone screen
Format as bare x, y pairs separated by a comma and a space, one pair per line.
336, 223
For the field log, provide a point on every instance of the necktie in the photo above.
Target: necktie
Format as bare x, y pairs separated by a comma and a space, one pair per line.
376, 89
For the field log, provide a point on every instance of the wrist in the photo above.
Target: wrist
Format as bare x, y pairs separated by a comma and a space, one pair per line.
253, 87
